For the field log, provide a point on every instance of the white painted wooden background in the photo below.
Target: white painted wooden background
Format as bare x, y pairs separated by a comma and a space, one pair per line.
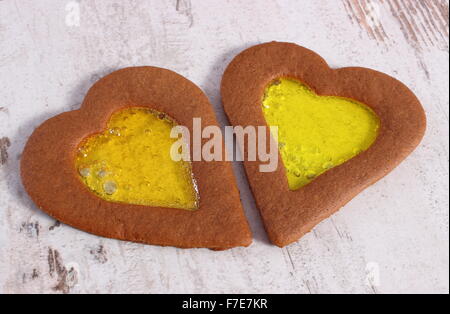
393, 238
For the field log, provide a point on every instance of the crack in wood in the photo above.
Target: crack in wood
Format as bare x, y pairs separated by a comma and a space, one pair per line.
32, 229
367, 15
422, 23
185, 7
66, 278
290, 259
5, 143
311, 286
27, 277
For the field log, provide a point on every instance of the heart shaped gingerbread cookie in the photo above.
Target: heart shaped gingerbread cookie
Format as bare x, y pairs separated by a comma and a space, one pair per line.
106, 168
339, 131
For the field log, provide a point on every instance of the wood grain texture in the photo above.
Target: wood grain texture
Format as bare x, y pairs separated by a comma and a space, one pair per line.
423, 23
392, 238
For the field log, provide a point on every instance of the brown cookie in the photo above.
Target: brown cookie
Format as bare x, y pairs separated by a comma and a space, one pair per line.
287, 214
50, 177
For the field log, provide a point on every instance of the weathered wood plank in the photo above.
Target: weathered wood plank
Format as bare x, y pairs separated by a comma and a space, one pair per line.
392, 238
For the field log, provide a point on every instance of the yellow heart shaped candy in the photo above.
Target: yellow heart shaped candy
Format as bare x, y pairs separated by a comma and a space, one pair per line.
130, 162
316, 133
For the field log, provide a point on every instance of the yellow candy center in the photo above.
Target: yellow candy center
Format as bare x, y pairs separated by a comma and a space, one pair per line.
316, 133
130, 162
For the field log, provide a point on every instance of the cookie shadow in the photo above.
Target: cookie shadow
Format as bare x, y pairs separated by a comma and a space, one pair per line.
211, 87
